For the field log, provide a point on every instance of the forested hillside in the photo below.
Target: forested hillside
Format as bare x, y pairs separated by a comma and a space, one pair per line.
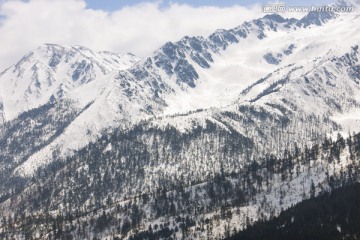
224, 204
331, 216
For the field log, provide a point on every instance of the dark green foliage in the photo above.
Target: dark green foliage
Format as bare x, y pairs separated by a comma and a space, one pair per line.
329, 217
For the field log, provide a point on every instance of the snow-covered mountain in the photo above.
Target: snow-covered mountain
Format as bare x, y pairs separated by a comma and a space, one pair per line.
172, 124
51, 72
187, 75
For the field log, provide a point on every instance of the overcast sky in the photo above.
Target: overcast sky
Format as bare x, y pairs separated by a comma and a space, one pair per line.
110, 5
115, 25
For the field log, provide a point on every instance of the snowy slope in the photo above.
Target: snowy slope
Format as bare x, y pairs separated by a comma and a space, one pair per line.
187, 75
51, 72
308, 57
192, 73
240, 57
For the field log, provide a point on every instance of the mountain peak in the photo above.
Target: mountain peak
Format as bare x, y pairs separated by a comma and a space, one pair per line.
347, 3
275, 17
52, 71
316, 18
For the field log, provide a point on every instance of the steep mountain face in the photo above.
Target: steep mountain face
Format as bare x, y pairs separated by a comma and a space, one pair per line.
51, 72
182, 76
240, 113
317, 92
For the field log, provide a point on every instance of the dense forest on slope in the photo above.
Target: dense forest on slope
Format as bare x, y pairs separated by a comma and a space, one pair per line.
225, 203
331, 216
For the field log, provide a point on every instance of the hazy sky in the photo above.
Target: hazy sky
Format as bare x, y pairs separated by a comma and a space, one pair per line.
111, 5
115, 25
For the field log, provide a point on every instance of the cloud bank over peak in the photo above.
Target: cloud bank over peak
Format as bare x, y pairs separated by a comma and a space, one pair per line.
139, 29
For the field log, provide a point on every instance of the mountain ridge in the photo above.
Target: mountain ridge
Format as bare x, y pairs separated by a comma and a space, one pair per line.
50, 72
144, 85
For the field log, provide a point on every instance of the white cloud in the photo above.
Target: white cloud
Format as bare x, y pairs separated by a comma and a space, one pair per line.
139, 29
